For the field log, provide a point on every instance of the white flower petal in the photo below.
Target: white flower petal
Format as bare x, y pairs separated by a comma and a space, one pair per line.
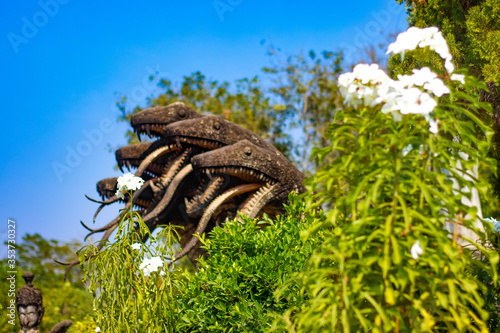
458, 77
448, 65
433, 126
416, 250
396, 116
437, 87
407, 149
120, 194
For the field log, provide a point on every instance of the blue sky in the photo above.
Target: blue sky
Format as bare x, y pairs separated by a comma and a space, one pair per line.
64, 62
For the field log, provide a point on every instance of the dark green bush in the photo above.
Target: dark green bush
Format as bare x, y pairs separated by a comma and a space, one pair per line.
234, 289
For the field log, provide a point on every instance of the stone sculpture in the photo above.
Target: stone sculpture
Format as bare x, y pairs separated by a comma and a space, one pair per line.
200, 171
30, 308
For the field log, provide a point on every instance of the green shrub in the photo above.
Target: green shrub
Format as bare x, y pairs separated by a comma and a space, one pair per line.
233, 290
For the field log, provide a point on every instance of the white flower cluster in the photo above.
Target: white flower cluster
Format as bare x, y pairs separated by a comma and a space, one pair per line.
415, 37
151, 265
368, 85
128, 182
496, 224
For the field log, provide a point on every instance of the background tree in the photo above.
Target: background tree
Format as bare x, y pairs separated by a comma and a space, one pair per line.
306, 94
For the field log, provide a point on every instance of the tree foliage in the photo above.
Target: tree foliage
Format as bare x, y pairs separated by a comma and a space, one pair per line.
305, 91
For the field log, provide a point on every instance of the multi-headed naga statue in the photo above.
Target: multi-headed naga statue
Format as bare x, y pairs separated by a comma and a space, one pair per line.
200, 171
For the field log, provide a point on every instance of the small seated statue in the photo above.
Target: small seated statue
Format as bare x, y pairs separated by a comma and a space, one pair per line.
30, 308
